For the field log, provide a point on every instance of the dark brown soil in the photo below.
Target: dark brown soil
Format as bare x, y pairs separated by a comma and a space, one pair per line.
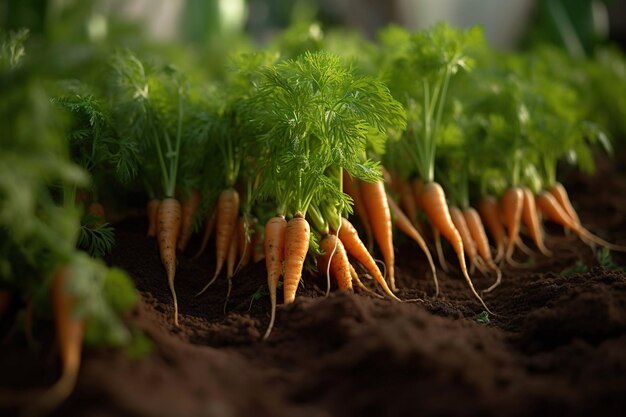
557, 345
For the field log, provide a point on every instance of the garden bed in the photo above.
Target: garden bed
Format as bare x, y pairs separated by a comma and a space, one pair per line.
556, 346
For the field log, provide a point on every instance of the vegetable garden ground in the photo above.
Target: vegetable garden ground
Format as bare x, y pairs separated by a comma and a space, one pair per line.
557, 347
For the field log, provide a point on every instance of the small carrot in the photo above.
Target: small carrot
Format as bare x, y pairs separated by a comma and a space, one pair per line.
69, 337
436, 208
356, 281
350, 188
227, 213
244, 242
405, 226
469, 246
168, 226
151, 211
490, 215
339, 264
512, 203
375, 199
231, 260
297, 237
477, 230
531, 221
189, 209
355, 247
209, 224
549, 206
274, 245
560, 193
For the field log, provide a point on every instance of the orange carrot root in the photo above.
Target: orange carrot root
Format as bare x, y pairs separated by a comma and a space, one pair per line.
469, 246
512, 203
405, 226
296, 247
375, 199
168, 227
436, 208
69, 332
339, 264
227, 213
490, 215
355, 247
274, 246
477, 230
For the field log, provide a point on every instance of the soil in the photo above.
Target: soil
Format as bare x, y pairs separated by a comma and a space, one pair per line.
556, 346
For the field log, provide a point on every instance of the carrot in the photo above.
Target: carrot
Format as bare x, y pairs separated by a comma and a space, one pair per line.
512, 203
151, 211
359, 284
168, 227
477, 230
469, 246
209, 224
436, 208
531, 221
560, 193
189, 209
69, 338
227, 213
296, 246
244, 244
349, 187
339, 264
274, 245
439, 249
355, 247
230, 267
405, 226
490, 214
375, 199
549, 205
407, 199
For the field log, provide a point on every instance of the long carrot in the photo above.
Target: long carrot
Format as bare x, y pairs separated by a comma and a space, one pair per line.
274, 245
231, 260
469, 246
490, 215
209, 225
560, 193
168, 227
151, 211
405, 226
296, 246
335, 253
355, 247
531, 221
407, 199
436, 208
69, 337
477, 230
189, 209
227, 213
512, 203
244, 242
350, 188
549, 206
375, 199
